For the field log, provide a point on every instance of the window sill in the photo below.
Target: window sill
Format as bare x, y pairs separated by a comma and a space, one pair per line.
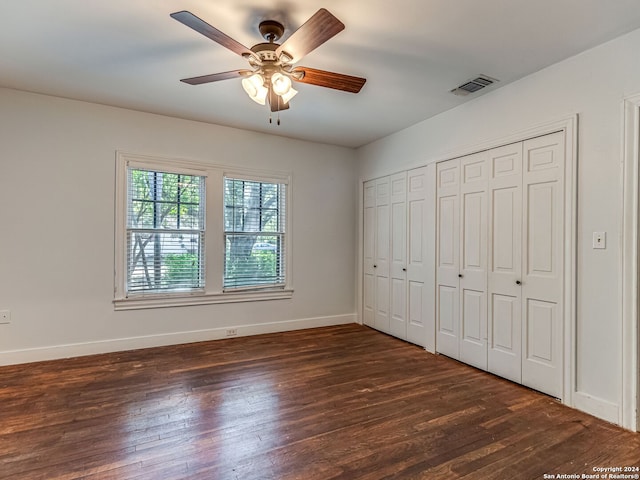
182, 300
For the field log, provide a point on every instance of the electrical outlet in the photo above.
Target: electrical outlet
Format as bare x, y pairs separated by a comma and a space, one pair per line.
232, 332
5, 317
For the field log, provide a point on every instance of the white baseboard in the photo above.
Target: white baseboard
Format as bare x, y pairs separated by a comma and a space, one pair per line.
597, 407
55, 352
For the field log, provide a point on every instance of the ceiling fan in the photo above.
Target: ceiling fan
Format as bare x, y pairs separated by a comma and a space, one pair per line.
272, 64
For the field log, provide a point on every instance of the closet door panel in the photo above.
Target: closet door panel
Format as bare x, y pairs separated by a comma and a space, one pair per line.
543, 263
398, 265
417, 311
448, 235
369, 233
398, 308
382, 287
473, 260
473, 322
416, 255
504, 354
505, 262
447, 258
448, 320
382, 303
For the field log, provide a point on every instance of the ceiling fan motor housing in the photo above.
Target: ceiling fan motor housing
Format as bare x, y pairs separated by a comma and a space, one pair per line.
266, 51
271, 30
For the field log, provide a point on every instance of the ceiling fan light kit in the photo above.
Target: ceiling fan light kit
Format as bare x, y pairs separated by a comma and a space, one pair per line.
254, 86
272, 65
280, 84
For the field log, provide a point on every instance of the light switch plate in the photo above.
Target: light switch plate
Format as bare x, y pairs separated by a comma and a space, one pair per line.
5, 317
599, 239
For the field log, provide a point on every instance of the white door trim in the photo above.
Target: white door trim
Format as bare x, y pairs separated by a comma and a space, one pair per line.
630, 401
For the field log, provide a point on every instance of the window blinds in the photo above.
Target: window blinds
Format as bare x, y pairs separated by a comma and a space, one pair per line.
254, 228
165, 231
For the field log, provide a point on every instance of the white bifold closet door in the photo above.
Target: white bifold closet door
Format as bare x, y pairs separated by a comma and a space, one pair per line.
381, 250
384, 307
417, 264
505, 260
543, 263
398, 265
461, 330
448, 258
473, 259
394, 255
376, 285
368, 253
500, 259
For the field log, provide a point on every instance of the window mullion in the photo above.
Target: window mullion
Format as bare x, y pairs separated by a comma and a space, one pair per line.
260, 208
157, 248
178, 201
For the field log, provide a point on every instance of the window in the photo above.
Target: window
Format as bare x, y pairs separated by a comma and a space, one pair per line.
165, 231
254, 230
190, 233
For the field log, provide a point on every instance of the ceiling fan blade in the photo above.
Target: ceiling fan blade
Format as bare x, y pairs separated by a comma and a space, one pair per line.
200, 26
337, 81
215, 77
275, 102
313, 33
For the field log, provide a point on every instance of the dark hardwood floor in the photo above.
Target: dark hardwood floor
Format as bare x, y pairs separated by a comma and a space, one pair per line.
340, 402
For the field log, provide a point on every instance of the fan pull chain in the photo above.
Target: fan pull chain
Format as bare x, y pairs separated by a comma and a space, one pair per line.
271, 113
278, 110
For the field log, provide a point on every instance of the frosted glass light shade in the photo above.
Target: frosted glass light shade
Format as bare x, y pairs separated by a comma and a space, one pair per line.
289, 95
254, 86
281, 84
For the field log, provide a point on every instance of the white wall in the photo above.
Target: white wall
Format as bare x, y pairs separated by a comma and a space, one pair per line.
57, 173
593, 85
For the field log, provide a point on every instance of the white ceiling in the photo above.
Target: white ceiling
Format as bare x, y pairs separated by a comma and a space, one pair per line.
412, 52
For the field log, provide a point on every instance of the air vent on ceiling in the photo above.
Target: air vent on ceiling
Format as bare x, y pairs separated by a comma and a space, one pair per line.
473, 85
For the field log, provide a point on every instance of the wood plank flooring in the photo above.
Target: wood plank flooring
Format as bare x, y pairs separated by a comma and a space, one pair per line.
341, 402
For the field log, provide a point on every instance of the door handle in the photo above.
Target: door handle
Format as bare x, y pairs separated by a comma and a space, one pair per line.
459, 275
404, 269
518, 282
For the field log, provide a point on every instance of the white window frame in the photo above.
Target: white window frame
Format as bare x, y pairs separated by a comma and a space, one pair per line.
214, 245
